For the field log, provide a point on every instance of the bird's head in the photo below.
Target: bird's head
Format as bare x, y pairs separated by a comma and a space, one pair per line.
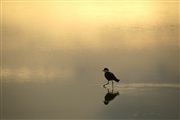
106, 70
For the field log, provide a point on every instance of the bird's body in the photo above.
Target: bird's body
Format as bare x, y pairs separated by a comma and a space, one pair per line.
110, 76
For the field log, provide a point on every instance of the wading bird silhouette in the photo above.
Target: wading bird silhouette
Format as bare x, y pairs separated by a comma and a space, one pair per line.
109, 76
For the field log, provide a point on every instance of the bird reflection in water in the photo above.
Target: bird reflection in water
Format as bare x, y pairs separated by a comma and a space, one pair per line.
110, 95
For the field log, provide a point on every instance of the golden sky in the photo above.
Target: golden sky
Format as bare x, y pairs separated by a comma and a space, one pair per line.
55, 13
40, 29
79, 22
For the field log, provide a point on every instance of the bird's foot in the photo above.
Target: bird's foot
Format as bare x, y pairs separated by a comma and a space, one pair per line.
104, 86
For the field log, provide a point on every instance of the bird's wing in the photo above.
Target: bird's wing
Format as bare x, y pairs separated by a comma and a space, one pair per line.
112, 76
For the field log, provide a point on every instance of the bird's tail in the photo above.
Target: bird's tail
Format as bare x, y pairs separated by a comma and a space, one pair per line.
117, 80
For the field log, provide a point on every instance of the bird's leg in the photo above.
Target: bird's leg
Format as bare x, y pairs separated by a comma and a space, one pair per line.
106, 84
112, 84
107, 90
112, 89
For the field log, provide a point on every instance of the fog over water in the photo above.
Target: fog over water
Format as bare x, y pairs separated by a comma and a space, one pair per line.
53, 54
156, 61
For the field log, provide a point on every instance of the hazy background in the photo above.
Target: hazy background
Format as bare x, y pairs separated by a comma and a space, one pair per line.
53, 54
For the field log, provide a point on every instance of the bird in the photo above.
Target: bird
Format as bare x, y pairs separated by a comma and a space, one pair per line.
109, 76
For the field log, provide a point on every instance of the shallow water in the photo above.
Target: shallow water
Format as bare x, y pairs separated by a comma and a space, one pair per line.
71, 100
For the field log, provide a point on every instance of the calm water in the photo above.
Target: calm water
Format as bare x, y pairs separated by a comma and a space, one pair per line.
53, 55
83, 101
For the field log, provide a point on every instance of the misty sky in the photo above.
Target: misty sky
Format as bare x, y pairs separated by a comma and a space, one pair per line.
71, 37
